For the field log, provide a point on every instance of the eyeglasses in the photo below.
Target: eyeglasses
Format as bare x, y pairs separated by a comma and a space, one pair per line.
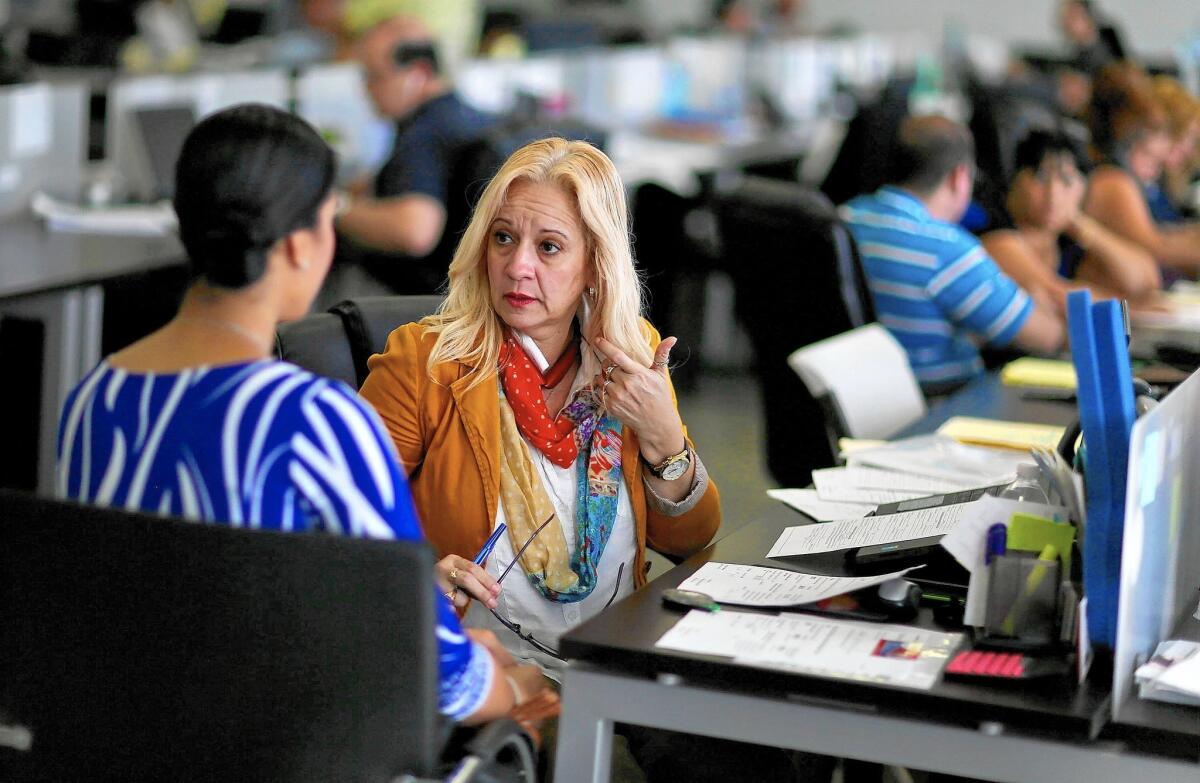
516, 627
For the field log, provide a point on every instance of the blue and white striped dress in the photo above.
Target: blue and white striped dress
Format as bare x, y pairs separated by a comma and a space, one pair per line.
257, 445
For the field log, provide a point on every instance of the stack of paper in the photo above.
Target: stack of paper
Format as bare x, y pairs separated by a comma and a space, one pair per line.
1045, 373
890, 654
848, 533
129, 220
749, 585
1172, 674
1004, 434
943, 457
809, 502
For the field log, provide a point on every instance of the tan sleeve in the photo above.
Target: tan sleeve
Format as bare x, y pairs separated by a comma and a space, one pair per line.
393, 387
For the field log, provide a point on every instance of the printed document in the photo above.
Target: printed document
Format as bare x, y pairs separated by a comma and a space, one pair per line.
869, 652
748, 585
847, 533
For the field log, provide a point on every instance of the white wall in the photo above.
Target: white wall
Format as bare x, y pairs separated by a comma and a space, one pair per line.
1150, 27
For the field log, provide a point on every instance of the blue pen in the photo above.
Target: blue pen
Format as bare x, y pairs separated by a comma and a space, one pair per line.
490, 544
997, 542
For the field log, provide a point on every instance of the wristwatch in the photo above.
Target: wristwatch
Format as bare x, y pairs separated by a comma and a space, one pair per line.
672, 467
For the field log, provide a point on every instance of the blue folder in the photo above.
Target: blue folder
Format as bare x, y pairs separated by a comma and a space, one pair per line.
1106, 414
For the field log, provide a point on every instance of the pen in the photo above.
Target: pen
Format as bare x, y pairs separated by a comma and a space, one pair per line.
490, 544
996, 542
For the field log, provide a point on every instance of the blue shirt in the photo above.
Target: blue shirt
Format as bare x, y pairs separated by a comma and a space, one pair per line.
935, 287
258, 445
428, 144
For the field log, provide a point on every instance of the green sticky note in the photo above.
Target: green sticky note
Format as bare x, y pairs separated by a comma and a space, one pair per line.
1030, 533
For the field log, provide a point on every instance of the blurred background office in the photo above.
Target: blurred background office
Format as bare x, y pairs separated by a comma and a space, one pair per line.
737, 127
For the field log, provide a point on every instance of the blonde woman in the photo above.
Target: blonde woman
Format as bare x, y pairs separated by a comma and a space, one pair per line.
538, 393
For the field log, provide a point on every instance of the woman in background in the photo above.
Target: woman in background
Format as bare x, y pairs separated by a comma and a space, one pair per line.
1129, 132
1052, 245
196, 421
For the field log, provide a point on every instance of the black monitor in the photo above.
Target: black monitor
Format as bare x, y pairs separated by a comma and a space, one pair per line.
162, 130
134, 647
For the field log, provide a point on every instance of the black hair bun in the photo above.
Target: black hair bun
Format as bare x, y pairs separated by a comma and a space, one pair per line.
247, 177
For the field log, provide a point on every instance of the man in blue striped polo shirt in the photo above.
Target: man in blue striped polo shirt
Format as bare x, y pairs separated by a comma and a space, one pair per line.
935, 287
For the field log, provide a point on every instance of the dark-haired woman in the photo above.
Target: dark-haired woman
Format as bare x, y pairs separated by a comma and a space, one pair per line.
1052, 246
195, 420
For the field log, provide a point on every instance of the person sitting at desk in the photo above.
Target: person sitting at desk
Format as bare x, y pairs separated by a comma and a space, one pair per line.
404, 218
537, 397
1129, 133
1183, 122
195, 420
935, 288
1052, 246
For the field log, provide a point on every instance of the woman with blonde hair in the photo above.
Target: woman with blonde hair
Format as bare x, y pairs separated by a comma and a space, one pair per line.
537, 397
1130, 133
1183, 122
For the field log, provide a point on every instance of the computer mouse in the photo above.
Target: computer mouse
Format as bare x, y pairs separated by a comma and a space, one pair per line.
899, 596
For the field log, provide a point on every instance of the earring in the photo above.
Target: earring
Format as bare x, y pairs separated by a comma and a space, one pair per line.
302, 264
591, 292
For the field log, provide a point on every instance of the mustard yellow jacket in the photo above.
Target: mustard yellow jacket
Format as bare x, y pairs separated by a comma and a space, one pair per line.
448, 438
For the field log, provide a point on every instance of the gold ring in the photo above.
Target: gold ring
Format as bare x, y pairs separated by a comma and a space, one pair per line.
453, 576
608, 371
450, 595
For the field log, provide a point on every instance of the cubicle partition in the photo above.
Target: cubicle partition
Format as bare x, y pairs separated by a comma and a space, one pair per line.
332, 97
43, 142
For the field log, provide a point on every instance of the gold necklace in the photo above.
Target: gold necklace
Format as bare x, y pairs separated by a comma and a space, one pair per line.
261, 344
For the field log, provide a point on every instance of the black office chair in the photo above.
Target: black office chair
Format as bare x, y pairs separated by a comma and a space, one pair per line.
798, 279
337, 344
141, 648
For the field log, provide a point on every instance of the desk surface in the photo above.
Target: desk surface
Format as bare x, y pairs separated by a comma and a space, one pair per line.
624, 635
986, 397
34, 260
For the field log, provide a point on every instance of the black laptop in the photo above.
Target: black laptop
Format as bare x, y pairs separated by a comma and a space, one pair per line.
138, 648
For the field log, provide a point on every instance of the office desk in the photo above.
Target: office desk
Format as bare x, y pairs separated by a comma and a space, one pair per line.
987, 398
55, 279
616, 675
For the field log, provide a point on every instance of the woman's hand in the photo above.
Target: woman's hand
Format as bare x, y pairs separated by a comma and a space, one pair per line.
641, 398
461, 580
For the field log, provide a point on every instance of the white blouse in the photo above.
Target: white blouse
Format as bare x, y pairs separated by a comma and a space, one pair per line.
521, 603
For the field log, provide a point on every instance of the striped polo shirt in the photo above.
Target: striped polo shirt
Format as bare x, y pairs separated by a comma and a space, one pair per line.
935, 287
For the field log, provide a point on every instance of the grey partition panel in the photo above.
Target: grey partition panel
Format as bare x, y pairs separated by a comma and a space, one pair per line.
43, 143
1160, 558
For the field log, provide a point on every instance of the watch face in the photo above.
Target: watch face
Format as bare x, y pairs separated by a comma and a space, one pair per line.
676, 469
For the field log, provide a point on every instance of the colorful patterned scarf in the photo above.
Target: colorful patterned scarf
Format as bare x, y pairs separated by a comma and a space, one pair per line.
581, 434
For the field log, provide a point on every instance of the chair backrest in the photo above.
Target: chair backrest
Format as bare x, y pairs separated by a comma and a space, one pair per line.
864, 382
798, 280
338, 343
141, 648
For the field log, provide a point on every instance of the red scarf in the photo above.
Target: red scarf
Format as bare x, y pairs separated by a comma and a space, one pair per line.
523, 384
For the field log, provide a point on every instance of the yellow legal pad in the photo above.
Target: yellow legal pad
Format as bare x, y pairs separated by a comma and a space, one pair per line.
1045, 373
1003, 434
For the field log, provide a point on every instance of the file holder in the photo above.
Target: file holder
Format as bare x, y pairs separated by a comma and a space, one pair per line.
1023, 600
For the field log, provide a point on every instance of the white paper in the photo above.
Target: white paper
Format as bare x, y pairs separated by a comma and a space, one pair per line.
749, 585
968, 543
941, 457
31, 120
132, 220
888, 654
1172, 674
834, 479
806, 501
846, 533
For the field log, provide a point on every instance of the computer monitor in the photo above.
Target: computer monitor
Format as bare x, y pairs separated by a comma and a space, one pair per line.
135, 647
162, 130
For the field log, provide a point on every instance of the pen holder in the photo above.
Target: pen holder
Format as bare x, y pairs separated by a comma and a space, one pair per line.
1022, 598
